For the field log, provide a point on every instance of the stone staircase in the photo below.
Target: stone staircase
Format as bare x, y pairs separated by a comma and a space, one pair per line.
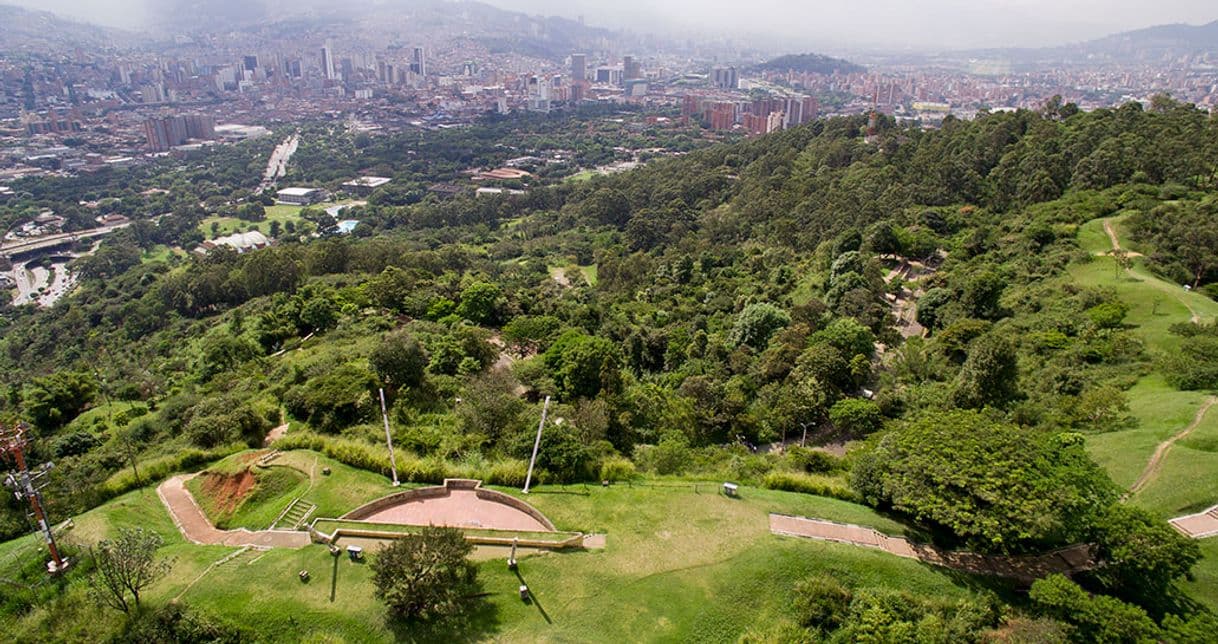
294, 515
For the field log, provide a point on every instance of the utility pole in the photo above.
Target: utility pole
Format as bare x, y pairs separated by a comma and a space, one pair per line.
13, 441
393, 465
528, 479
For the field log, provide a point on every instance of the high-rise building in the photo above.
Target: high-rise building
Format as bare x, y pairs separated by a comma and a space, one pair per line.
726, 78
327, 62
631, 69
167, 132
579, 67
419, 64
251, 63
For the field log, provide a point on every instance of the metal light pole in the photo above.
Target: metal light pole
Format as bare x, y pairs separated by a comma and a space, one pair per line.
14, 442
528, 479
393, 465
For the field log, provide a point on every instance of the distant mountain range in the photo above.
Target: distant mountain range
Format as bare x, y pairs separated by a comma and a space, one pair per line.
1163, 38
27, 30
1160, 44
386, 22
376, 22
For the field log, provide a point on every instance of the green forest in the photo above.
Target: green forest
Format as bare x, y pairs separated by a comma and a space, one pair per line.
941, 310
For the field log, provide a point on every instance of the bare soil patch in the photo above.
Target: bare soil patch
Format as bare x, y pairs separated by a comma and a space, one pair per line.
227, 491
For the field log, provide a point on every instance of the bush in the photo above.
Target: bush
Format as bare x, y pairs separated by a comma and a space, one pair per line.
671, 456
822, 603
813, 461
856, 417
160, 468
617, 468
810, 484
1108, 315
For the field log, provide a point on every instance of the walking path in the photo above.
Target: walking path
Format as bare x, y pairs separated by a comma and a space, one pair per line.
1156, 460
196, 528
1025, 569
1116, 242
1198, 526
1149, 280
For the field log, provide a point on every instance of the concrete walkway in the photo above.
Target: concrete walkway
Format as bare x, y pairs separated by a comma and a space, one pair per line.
1026, 569
1198, 526
196, 528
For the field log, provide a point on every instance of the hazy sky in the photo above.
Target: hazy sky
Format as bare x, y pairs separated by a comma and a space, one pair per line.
840, 24
896, 23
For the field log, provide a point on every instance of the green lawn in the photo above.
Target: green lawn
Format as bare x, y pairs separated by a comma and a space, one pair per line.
679, 565
158, 253
583, 175
589, 272
1161, 411
280, 212
1188, 477
1204, 586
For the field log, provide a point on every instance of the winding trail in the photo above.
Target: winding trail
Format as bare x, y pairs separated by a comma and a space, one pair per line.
1156, 460
1151, 281
196, 527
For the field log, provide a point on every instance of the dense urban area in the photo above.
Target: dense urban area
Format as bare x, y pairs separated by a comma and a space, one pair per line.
452, 323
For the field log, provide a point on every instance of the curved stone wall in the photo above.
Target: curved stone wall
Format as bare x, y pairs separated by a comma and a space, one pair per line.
406, 496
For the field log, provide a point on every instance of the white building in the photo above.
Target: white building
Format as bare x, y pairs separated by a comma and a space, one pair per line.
301, 196
241, 242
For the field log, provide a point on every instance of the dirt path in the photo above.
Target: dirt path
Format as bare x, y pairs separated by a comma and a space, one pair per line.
196, 528
1026, 569
1116, 242
1150, 281
275, 434
1156, 460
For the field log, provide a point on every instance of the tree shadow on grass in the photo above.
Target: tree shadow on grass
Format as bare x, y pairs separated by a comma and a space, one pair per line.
476, 623
1010, 591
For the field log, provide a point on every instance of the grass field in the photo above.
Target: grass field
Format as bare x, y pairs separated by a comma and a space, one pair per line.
1161, 411
280, 212
583, 175
681, 563
589, 272
1188, 476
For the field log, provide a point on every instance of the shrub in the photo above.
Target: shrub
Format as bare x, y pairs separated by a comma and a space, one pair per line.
813, 461
617, 468
822, 603
160, 468
856, 417
1108, 315
810, 484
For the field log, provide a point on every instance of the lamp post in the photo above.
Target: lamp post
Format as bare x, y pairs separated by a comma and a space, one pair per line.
393, 465
528, 479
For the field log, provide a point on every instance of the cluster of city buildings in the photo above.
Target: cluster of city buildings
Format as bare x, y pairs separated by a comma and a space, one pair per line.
106, 109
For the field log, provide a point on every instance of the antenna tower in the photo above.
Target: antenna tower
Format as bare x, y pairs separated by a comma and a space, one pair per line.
26, 485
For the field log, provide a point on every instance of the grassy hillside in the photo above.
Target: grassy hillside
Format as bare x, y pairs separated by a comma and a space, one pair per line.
682, 563
1188, 477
